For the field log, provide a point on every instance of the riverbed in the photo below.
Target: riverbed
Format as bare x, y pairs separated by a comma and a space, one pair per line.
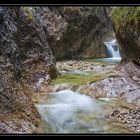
66, 110
70, 112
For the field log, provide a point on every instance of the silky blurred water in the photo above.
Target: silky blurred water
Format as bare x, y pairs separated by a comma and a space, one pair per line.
70, 112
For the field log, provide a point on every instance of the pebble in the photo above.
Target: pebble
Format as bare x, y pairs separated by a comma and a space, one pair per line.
130, 119
82, 65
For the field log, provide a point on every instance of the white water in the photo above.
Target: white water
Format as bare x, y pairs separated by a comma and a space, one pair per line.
70, 112
112, 49
62, 108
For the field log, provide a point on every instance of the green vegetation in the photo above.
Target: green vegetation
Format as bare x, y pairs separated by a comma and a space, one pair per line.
123, 15
77, 9
29, 12
79, 79
71, 9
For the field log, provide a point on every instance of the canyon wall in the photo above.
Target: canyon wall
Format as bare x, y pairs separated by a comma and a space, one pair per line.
82, 31
25, 57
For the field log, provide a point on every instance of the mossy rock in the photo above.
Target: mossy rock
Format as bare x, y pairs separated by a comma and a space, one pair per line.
52, 71
71, 9
29, 13
121, 16
126, 22
79, 79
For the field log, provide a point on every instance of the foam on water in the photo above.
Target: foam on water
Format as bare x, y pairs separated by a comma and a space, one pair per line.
64, 106
71, 112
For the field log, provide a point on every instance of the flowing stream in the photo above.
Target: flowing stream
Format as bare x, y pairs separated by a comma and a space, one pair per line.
71, 112
68, 111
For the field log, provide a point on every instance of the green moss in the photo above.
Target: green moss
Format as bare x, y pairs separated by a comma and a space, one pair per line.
121, 16
96, 10
71, 9
83, 12
29, 13
79, 79
60, 56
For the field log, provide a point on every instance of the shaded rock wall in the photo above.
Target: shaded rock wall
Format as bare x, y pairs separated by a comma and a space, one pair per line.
82, 29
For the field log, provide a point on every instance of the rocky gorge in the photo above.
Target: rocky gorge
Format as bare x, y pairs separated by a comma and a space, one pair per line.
36, 87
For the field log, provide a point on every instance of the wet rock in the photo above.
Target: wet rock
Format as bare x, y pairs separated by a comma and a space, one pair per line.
115, 86
129, 119
115, 113
63, 86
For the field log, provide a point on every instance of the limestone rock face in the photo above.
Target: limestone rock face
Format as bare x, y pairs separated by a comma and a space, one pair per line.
25, 57
124, 84
81, 32
127, 27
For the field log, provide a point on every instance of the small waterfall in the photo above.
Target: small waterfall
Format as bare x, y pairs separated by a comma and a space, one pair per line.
113, 50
